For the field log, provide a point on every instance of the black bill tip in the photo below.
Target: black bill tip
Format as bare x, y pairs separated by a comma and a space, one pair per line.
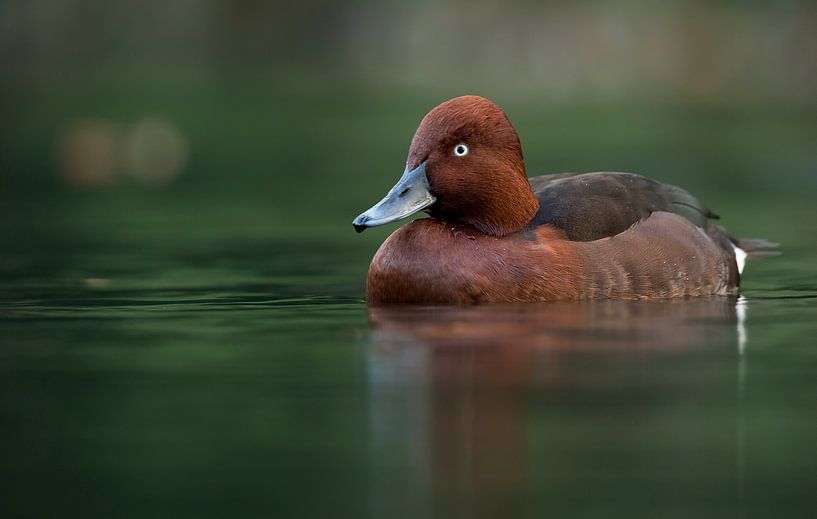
359, 223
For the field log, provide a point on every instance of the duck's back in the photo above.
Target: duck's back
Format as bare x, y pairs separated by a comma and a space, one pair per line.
591, 206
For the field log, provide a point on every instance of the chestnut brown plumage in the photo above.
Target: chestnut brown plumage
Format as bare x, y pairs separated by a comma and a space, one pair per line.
497, 236
487, 188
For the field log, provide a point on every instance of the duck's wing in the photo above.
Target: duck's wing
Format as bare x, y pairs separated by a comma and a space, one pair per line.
590, 206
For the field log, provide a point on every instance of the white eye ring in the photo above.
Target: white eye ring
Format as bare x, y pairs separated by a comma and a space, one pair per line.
460, 150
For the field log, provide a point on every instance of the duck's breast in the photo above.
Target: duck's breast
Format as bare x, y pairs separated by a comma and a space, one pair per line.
430, 261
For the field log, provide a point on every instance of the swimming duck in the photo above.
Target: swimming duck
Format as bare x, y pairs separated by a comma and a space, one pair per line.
496, 236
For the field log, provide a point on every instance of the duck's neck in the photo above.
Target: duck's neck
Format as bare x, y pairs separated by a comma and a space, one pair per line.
509, 209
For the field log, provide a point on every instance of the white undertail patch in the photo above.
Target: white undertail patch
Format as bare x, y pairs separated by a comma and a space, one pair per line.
740, 257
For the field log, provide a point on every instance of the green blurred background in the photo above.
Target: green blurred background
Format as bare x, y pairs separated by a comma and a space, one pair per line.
294, 117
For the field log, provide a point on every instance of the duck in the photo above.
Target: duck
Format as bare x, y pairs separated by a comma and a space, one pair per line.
494, 235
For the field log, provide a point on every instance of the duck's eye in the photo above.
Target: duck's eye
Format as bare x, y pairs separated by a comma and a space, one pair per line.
460, 150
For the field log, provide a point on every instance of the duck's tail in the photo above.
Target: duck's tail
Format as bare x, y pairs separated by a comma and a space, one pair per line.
746, 249
753, 248
758, 248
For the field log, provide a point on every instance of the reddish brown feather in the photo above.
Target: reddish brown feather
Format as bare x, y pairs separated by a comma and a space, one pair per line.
488, 188
434, 262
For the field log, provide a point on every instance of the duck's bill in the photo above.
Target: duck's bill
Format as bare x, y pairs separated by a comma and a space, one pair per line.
409, 195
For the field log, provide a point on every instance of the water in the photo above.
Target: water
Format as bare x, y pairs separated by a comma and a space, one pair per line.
158, 361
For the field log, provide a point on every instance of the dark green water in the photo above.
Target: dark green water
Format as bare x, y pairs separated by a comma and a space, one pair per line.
162, 359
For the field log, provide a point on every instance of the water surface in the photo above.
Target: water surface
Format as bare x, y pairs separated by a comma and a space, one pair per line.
175, 364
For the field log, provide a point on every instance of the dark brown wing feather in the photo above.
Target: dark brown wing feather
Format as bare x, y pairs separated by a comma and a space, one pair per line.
590, 206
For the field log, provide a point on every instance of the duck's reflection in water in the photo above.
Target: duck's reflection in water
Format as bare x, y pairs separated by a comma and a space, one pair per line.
499, 409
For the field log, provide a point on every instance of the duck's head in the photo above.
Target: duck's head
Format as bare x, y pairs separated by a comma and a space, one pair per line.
465, 165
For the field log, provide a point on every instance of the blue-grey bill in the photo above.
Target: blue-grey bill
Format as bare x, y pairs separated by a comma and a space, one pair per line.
409, 195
